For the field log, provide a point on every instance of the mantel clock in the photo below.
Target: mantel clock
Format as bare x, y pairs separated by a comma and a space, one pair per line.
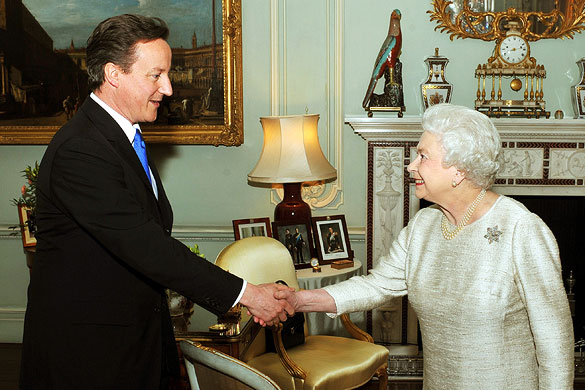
511, 61
512, 30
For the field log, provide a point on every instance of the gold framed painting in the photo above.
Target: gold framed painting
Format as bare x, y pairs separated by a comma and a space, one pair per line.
28, 237
43, 78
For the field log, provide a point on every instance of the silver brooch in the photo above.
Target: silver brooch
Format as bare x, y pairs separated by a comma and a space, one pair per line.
493, 234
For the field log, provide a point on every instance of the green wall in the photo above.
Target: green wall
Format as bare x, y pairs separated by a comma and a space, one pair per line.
208, 185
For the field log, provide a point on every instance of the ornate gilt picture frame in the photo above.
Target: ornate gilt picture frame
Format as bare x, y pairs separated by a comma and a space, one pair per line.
28, 237
188, 119
458, 19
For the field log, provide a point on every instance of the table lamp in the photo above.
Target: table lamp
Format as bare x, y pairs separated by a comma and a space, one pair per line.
291, 155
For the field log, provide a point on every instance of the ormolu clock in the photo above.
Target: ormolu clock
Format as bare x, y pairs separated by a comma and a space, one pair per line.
513, 30
511, 61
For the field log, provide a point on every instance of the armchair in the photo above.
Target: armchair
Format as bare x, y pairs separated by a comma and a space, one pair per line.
322, 362
209, 369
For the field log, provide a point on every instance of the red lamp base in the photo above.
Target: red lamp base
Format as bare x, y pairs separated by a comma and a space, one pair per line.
292, 207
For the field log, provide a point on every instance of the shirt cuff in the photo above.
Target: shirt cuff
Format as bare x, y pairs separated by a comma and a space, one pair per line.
241, 293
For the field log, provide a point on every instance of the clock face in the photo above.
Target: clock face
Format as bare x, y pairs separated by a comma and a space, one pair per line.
513, 49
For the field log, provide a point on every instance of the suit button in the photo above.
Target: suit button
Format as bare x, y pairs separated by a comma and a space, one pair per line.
157, 309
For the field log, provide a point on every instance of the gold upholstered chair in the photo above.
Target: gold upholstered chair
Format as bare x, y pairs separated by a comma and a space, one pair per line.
321, 362
209, 369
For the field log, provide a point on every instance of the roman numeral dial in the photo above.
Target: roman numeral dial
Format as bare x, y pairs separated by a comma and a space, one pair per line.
513, 49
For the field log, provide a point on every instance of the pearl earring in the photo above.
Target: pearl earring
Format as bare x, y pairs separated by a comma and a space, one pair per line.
453, 184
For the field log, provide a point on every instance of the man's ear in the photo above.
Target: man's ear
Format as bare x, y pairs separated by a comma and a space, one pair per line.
112, 74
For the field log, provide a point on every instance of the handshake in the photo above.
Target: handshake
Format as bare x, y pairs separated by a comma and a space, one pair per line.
270, 303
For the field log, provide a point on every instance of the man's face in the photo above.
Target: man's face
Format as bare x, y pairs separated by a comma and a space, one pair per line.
142, 89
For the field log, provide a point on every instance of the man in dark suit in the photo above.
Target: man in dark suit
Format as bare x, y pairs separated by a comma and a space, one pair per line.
97, 315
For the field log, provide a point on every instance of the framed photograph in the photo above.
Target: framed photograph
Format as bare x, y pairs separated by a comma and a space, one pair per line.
28, 238
331, 238
296, 237
46, 78
251, 227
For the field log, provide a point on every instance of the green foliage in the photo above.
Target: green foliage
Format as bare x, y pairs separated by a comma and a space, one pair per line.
28, 196
195, 249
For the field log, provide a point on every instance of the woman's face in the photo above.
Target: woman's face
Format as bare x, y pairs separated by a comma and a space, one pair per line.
433, 181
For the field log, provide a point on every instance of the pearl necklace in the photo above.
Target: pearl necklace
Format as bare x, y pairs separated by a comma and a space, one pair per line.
449, 235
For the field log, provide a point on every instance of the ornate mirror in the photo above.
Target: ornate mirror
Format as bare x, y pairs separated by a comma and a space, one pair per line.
488, 19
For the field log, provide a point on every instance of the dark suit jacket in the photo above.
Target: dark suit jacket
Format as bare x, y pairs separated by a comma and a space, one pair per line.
97, 316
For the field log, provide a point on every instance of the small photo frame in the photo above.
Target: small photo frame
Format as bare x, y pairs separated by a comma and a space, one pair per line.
251, 227
331, 238
296, 237
28, 238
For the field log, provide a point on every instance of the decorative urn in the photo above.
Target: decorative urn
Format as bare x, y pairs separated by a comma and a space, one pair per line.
578, 91
436, 89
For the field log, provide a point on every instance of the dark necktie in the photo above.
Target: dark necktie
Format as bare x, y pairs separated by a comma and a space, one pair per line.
141, 152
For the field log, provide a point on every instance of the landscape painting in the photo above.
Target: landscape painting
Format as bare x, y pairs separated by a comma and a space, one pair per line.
43, 66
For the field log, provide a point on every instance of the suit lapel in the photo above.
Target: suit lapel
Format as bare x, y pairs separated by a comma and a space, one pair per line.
163, 202
110, 129
115, 135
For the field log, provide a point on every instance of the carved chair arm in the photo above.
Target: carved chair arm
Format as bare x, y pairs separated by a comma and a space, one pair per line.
354, 331
291, 367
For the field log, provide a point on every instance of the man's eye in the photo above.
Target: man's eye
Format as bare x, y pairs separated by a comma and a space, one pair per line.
156, 76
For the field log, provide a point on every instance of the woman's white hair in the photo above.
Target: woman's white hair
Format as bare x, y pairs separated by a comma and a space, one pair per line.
470, 141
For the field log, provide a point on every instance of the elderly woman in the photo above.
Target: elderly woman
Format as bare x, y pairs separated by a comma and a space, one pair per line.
481, 271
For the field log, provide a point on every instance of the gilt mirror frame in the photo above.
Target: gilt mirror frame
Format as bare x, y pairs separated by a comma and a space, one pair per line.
469, 24
228, 133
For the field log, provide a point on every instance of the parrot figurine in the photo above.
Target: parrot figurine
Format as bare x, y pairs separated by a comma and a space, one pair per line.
387, 56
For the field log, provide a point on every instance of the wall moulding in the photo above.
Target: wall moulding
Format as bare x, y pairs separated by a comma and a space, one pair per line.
285, 98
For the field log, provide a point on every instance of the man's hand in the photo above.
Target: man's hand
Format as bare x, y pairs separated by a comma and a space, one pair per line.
290, 296
261, 302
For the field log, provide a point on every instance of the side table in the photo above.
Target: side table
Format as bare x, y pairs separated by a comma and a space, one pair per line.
320, 323
234, 345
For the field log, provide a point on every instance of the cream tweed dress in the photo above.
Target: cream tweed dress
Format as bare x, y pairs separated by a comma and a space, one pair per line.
491, 303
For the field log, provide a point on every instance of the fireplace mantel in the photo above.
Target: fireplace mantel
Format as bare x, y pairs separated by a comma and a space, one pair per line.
408, 128
541, 157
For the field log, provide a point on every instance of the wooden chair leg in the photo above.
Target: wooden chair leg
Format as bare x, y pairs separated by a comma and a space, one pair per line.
382, 375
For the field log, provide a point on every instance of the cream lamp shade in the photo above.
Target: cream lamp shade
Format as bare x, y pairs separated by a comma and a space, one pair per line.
291, 155
291, 151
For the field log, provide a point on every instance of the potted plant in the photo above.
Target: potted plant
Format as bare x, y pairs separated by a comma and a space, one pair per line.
26, 204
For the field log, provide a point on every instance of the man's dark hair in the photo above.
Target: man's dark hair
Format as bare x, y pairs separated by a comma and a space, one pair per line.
114, 40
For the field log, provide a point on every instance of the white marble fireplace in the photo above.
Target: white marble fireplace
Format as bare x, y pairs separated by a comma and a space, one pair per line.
542, 157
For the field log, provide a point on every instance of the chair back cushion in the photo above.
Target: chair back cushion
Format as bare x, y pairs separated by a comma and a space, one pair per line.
259, 260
